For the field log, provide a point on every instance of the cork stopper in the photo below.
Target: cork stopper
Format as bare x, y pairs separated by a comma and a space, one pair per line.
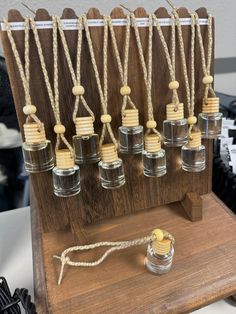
174, 112
64, 160
161, 247
195, 139
211, 105
130, 118
33, 133
108, 153
152, 143
84, 125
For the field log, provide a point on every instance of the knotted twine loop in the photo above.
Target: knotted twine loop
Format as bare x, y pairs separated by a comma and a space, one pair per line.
54, 99
103, 93
76, 76
190, 90
24, 73
115, 246
206, 64
147, 70
123, 70
170, 56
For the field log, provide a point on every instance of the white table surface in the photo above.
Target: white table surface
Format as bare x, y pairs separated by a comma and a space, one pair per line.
16, 262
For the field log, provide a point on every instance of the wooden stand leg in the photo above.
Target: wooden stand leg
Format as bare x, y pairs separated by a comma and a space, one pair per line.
80, 235
192, 205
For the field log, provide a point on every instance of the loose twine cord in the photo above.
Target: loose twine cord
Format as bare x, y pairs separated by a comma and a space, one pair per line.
54, 100
115, 246
102, 93
24, 73
76, 77
190, 90
206, 64
147, 70
123, 70
170, 56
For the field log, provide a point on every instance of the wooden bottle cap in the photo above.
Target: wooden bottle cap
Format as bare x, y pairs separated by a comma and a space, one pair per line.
152, 143
174, 112
33, 133
161, 247
84, 125
130, 117
108, 153
64, 160
195, 139
211, 105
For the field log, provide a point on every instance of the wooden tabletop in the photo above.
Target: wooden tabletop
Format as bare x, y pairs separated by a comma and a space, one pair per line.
204, 268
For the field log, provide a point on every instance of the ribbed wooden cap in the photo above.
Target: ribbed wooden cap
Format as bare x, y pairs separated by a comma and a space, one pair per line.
174, 112
211, 105
152, 143
84, 125
161, 247
195, 139
130, 117
33, 133
64, 160
108, 153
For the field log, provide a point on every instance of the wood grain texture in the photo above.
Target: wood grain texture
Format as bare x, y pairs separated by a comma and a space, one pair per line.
95, 203
203, 269
192, 204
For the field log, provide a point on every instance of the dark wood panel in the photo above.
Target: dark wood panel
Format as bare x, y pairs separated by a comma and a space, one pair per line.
139, 192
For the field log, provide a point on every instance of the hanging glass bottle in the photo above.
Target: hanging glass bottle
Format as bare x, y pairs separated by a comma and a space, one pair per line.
66, 175
37, 150
130, 133
175, 127
111, 171
154, 157
85, 142
210, 119
160, 252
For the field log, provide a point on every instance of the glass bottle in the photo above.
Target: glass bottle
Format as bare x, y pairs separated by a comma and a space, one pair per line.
154, 157
37, 150
131, 133
66, 175
160, 253
193, 154
175, 127
85, 142
210, 119
111, 170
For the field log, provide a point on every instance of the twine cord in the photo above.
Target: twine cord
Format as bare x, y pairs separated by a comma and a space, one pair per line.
206, 64
170, 56
103, 93
115, 246
147, 70
123, 70
54, 99
24, 71
75, 75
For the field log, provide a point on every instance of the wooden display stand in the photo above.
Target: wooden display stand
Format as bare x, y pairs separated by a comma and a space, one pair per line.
122, 283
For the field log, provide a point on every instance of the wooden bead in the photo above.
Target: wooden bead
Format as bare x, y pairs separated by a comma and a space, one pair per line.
174, 85
208, 79
158, 233
151, 124
78, 90
192, 120
125, 90
59, 129
105, 118
29, 109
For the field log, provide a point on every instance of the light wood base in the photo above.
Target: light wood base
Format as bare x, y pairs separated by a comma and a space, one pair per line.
204, 268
